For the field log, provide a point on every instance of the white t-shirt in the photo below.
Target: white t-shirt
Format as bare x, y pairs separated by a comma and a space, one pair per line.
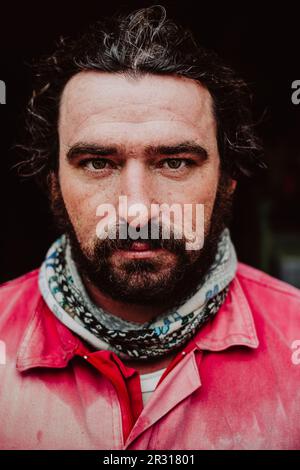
149, 383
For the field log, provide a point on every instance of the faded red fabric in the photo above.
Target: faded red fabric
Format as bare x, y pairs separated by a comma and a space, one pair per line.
236, 385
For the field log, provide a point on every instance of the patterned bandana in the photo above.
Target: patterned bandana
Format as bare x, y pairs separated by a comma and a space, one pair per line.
66, 296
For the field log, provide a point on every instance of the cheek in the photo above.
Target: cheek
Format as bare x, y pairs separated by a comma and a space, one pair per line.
81, 201
202, 190
82, 214
208, 199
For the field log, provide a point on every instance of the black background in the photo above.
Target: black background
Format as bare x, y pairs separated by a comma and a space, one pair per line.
261, 42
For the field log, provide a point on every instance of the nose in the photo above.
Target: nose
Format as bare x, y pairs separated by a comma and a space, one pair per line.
136, 191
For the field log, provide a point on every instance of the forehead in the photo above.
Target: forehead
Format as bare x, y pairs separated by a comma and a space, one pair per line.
113, 104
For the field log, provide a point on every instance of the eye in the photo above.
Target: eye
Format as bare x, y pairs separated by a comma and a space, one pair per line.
176, 163
95, 164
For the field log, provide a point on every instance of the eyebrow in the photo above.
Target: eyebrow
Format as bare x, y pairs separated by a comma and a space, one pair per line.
183, 148
188, 147
93, 149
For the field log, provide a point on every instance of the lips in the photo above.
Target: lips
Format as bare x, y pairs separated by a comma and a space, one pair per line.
140, 250
140, 246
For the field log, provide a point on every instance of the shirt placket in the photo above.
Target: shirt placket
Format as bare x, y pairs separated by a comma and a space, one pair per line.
125, 380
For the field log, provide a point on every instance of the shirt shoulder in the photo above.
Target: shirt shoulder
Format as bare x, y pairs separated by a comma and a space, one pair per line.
18, 299
275, 305
19, 283
262, 281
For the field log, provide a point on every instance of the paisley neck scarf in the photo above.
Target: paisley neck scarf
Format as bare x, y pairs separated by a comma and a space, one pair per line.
64, 293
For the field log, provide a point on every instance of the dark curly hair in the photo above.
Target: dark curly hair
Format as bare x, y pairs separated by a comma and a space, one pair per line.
143, 42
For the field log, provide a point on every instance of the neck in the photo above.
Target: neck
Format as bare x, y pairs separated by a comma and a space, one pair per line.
127, 311
135, 313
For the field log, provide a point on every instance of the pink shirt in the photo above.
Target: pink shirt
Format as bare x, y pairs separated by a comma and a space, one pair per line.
235, 386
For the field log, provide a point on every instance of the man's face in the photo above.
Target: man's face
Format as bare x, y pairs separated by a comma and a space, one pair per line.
152, 139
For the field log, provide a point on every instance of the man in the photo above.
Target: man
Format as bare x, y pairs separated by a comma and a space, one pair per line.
125, 340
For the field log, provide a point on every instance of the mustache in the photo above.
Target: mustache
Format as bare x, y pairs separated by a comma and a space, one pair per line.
124, 237
159, 232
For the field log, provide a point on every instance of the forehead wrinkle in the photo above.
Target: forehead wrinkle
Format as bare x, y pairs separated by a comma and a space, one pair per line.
138, 118
90, 127
127, 144
87, 93
81, 122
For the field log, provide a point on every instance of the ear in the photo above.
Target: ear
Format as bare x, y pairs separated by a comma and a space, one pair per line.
52, 183
232, 185
51, 179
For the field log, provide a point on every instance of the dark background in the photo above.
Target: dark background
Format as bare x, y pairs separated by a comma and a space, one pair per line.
262, 44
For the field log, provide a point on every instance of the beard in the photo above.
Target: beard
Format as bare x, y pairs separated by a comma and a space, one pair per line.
150, 282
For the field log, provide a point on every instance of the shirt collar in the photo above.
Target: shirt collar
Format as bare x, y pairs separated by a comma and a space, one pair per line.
48, 343
233, 324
